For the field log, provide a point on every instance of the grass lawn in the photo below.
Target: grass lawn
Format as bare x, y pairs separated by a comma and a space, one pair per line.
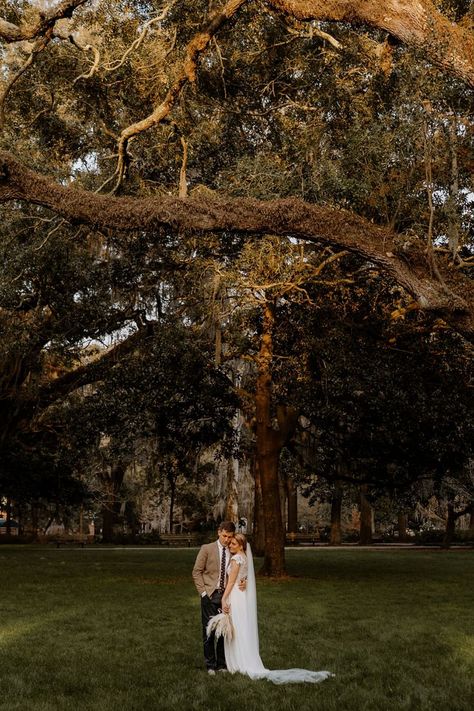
118, 629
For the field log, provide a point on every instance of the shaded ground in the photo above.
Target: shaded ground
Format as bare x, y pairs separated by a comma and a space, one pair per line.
106, 629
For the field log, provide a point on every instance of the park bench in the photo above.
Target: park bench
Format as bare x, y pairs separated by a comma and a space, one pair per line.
178, 539
73, 539
294, 539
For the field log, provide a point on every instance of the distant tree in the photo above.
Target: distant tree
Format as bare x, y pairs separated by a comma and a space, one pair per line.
162, 405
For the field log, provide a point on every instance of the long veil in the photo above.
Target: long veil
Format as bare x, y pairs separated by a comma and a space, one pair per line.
255, 668
252, 602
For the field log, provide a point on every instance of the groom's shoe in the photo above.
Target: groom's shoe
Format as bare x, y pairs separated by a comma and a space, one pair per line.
211, 672
223, 670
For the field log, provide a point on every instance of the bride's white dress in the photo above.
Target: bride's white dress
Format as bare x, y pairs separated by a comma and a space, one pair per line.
242, 651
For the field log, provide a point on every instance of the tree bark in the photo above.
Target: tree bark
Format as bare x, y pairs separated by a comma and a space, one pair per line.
108, 521
258, 528
21, 528
365, 538
335, 537
268, 449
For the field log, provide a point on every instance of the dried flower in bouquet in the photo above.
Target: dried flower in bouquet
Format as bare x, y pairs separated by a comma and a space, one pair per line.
221, 626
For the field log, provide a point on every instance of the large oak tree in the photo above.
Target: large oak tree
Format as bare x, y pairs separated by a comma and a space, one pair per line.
112, 113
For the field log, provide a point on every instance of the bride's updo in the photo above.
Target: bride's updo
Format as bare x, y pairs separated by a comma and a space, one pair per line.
241, 540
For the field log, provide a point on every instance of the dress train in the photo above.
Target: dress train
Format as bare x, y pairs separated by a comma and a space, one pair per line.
242, 651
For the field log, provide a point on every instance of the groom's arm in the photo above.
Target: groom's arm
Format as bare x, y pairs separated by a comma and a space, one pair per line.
199, 566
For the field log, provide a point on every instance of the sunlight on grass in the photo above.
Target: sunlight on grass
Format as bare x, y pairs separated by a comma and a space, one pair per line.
10, 633
101, 630
463, 647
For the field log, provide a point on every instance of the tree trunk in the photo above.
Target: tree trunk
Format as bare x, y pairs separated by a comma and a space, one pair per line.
365, 538
402, 526
268, 447
335, 537
172, 483
274, 554
292, 494
108, 520
21, 529
450, 525
471, 517
258, 528
9, 517
113, 482
34, 521
231, 506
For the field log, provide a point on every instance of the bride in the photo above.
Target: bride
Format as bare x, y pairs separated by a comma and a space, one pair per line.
242, 649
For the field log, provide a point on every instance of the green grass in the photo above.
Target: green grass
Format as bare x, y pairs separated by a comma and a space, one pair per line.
118, 629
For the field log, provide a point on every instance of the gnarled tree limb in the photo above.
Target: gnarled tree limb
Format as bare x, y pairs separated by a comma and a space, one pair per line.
416, 23
288, 217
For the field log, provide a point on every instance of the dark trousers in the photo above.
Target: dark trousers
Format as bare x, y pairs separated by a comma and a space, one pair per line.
213, 651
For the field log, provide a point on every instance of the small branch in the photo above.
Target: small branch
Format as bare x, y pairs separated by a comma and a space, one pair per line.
195, 48
429, 185
95, 65
329, 260
9, 86
116, 64
315, 32
219, 54
38, 47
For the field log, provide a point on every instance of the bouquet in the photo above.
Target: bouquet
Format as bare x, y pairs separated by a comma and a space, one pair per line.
221, 626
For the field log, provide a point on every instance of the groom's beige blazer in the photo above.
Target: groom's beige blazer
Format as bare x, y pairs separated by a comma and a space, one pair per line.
206, 569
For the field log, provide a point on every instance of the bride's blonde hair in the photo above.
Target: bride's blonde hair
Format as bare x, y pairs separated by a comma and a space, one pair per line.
242, 540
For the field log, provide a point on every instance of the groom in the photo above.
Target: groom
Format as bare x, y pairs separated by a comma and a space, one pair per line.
209, 575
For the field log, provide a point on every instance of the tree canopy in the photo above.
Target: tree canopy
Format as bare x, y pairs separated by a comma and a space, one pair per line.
147, 147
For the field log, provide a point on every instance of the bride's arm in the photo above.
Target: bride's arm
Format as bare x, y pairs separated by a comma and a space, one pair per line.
234, 571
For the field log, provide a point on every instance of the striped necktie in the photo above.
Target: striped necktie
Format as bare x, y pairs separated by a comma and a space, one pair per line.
222, 573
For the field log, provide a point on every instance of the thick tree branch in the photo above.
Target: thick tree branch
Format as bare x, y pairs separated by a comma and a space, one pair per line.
93, 371
289, 217
46, 21
416, 23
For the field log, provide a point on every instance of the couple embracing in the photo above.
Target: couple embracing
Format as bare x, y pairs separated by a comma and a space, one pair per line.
224, 577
